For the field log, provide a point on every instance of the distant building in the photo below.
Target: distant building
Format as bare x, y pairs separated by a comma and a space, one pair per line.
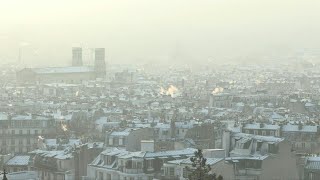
100, 63
312, 168
222, 100
261, 129
19, 163
23, 175
19, 133
77, 56
130, 139
303, 138
141, 165
73, 74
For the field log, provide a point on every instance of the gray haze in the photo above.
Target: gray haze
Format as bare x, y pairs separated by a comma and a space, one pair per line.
156, 30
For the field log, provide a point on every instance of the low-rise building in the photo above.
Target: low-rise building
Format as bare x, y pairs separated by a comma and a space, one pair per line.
124, 165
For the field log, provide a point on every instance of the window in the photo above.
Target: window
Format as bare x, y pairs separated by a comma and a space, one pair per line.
100, 175
197, 134
264, 133
303, 145
13, 141
256, 132
247, 132
20, 141
110, 141
109, 159
36, 132
185, 173
28, 141
108, 176
139, 165
150, 164
13, 132
171, 171
271, 133
28, 131
20, 132
259, 145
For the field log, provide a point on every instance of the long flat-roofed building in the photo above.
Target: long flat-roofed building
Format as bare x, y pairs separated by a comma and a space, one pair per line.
71, 74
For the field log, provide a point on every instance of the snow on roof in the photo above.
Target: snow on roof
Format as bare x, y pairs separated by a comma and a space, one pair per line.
57, 70
246, 158
3, 116
62, 154
246, 137
276, 116
101, 120
18, 161
162, 126
29, 117
295, 128
187, 161
293, 100
308, 104
265, 126
23, 175
186, 152
125, 132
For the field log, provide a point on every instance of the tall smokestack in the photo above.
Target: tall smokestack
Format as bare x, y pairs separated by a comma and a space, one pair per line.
100, 63
77, 56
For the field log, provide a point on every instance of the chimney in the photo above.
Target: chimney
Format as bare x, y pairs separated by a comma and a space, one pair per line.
77, 56
261, 125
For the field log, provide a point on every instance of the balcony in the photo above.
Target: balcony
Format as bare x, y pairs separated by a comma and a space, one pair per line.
130, 170
248, 171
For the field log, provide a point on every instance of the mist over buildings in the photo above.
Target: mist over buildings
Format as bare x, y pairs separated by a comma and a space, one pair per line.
144, 31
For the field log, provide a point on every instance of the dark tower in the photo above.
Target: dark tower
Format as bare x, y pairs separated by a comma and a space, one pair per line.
173, 123
100, 63
77, 56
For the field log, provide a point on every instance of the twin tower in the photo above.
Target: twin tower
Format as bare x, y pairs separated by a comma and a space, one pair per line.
99, 60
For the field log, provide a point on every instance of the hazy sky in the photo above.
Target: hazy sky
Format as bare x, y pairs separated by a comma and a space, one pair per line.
152, 30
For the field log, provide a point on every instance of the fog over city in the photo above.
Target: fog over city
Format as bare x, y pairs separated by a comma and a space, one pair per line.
150, 31
159, 90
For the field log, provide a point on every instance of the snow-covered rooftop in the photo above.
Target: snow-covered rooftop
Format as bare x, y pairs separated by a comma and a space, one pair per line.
18, 161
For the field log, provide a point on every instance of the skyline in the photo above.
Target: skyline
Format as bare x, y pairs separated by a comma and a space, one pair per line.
153, 31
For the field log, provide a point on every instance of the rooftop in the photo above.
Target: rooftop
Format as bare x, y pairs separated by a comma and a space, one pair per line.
295, 128
18, 161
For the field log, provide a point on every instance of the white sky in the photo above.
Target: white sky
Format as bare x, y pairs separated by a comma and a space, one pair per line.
140, 30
